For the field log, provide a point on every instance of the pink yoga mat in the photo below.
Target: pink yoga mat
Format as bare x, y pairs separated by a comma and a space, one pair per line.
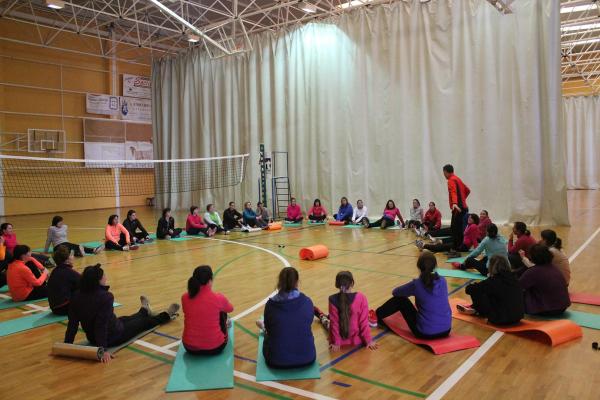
585, 298
438, 346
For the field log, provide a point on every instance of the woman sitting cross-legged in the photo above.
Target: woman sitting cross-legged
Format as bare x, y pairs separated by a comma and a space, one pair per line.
57, 235
63, 281
92, 306
289, 342
493, 244
345, 211
498, 298
117, 237
205, 321
432, 317
26, 277
166, 226
317, 213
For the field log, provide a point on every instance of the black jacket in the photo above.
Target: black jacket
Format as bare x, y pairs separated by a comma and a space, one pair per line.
62, 285
230, 217
95, 312
164, 226
502, 295
133, 226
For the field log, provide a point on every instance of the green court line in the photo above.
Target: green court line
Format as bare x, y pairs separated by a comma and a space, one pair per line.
151, 355
376, 383
227, 263
246, 330
263, 392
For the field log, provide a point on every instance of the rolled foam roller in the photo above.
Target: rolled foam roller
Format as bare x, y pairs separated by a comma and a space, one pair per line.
275, 226
77, 351
336, 223
314, 252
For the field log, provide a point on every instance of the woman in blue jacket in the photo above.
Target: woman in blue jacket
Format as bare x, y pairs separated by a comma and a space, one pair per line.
344, 212
289, 342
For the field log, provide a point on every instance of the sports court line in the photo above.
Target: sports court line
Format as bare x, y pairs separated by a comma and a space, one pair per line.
457, 375
380, 384
348, 354
461, 286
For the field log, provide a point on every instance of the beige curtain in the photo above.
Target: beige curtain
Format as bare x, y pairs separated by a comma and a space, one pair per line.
373, 103
582, 128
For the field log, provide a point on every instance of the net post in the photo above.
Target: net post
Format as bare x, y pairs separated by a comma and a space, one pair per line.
117, 187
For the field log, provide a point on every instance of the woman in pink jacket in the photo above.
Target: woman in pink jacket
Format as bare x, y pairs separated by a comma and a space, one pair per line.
390, 213
117, 236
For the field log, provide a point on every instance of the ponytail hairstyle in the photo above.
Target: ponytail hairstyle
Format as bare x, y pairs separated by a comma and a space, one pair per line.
551, 239
112, 218
344, 281
90, 278
427, 264
492, 231
288, 279
201, 276
56, 220
475, 218
522, 228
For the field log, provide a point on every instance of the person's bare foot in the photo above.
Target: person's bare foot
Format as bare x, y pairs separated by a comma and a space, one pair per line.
146, 304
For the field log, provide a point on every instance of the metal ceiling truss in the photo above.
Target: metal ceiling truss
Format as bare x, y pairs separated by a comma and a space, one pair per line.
140, 30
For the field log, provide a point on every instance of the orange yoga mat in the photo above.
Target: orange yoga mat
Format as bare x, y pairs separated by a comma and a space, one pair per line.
585, 298
337, 223
553, 332
438, 346
314, 252
275, 226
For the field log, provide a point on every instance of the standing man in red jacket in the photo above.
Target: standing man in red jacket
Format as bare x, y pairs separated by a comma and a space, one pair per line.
457, 196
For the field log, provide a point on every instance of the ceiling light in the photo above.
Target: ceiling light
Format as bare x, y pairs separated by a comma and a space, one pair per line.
55, 4
353, 3
585, 7
307, 7
581, 27
193, 38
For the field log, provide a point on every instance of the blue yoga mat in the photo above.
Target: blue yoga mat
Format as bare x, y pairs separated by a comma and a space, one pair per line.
460, 260
4, 289
457, 273
586, 320
32, 321
266, 373
8, 303
293, 225
352, 226
191, 372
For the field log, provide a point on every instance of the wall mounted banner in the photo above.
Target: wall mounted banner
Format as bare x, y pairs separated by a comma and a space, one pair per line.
135, 109
136, 86
101, 104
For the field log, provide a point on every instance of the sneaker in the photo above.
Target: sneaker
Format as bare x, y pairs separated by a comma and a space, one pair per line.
372, 319
419, 244
431, 238
469, 310
125, 248
226, 232
456, 265
134, 247
172, 310
148, 240
98, 249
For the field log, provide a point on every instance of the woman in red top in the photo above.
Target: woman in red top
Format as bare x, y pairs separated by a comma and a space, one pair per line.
390, 212
26, 276
432, 221
10, 241
194, 224
205, 315
484, 222
524, 242
317, 212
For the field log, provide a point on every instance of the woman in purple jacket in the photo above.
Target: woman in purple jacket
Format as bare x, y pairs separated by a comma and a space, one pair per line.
432, 318
92, 306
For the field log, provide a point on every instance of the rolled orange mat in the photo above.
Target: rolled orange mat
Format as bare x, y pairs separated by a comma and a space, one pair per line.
275, 226
314, 252
336, 223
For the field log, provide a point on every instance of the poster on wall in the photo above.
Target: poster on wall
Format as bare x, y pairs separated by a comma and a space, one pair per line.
102, 104
136, 86
136, 109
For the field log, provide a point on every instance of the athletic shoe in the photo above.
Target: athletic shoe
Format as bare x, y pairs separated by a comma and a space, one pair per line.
417, 232
456, 265
172, 310
134, 247
98, 249
372, 319
125, 248
226, 232
146, 305
419, 244
148, 240
469, 310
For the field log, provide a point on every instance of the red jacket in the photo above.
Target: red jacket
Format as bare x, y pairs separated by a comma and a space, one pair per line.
201, 324
194, 221
523, 242
433, 216
21, 280
457, 192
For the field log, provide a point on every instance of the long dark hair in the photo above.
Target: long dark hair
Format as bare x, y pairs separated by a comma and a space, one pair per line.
201, 276
111, 218
551, 239
344, 281
56, 220
492, 231
4, 226
317, 201
427, 264
192, 209
475, 218
540, 255
20, 250
393, 204
342, 200
521, 227
90, 278
288, 279
165, 211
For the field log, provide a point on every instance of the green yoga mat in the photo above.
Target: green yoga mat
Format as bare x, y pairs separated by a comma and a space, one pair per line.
317, 223
93, 245
457, 273
460, 260
4, 289
8, 303
352, 226
294, 224
32, 321
586, 320
265, 373
192, 372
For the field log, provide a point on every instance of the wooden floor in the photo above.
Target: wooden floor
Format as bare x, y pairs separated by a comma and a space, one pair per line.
515, 367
